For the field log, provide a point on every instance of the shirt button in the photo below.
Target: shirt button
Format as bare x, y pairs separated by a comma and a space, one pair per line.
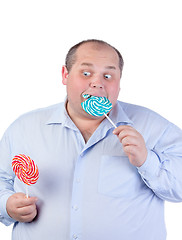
75, 207
78, 180
75, 236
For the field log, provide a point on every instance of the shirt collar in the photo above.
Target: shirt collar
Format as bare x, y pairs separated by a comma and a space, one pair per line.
119, 116
60, 115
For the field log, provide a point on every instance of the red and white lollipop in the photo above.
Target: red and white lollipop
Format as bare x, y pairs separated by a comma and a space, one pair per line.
25, 169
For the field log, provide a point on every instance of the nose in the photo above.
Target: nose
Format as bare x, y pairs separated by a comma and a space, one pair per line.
97, 83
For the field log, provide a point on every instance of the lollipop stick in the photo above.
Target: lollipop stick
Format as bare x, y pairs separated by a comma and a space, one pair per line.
26, 188
110, 120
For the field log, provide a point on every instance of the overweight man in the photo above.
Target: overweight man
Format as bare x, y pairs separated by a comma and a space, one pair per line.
96, 181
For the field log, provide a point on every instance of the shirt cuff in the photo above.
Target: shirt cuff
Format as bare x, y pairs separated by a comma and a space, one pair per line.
4, 216
149, 170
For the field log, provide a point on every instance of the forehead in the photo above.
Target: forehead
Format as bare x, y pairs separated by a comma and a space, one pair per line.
96, 53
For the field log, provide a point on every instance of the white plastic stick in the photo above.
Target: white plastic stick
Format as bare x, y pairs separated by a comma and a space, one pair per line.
110, 120
26, 189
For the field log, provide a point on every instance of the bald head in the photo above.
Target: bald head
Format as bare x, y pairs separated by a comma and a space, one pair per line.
97, 45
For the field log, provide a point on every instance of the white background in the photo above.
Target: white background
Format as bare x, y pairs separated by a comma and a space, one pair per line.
36, 35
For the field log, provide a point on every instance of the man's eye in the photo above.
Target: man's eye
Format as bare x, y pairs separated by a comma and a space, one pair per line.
86, 74
107, 76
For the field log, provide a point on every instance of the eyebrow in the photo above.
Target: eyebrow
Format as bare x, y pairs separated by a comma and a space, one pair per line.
111, 67
91, 65
87, 64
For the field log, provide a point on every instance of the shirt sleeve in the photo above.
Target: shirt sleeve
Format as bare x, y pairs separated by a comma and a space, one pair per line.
162, 171
6, 180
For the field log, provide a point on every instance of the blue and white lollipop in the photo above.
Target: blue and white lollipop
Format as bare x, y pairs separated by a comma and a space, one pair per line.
97, 106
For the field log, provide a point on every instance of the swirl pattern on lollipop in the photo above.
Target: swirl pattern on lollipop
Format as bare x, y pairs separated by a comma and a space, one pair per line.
96, 106
25, 169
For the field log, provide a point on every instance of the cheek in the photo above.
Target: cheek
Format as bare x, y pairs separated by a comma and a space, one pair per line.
75, 87
113, 92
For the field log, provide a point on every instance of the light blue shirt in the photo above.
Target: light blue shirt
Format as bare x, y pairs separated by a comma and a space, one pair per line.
90, 191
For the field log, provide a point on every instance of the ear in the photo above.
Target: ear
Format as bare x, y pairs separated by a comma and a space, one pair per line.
64, 75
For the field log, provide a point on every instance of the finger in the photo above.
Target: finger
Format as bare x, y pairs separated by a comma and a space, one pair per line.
121, 128
130, 150
129, 133
26, 210
24, 201
28, 217
129, 140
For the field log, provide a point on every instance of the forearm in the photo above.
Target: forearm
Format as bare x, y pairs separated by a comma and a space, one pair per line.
162, 173
6, 190
4, 217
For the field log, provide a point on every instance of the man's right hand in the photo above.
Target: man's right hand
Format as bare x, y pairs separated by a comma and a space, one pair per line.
21, 208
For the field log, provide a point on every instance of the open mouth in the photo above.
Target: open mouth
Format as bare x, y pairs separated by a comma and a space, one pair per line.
86, 96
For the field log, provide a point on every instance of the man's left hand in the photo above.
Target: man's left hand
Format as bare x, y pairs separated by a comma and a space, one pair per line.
133, 144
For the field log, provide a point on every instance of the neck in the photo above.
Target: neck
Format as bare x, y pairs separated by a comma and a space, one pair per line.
86, 124
86, 127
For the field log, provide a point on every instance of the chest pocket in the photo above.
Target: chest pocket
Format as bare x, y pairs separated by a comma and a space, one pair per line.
118, 178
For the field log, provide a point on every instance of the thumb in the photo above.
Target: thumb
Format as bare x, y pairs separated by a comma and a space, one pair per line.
31, 200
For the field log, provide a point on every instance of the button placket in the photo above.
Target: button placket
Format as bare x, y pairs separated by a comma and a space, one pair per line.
76, 217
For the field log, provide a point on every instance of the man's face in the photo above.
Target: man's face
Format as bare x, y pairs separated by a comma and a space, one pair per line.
96, 72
